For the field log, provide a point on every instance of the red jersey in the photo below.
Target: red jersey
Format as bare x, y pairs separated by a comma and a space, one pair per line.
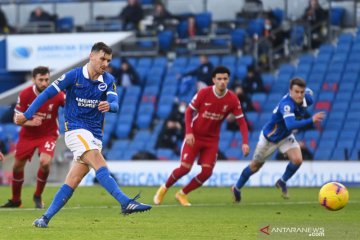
48, 111
211, 110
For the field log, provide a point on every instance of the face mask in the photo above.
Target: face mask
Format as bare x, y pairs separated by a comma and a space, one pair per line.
182, 108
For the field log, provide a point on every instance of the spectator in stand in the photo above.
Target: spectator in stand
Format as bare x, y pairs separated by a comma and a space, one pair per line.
316, 17
246, 105
131, 15
173, 130
127, 75
253, 83
40, 15
202, 73
191, 28
162, 16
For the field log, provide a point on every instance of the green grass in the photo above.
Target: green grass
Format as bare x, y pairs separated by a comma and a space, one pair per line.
93, 214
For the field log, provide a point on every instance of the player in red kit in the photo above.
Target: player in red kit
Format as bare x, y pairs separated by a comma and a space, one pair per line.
41, 132
203, 118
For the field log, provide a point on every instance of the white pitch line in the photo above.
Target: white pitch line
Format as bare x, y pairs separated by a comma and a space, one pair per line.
285, 202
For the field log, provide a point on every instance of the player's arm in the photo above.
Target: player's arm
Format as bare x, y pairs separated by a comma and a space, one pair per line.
34, 122
189, 136
291, 123
112, 103
240, 119
57, 86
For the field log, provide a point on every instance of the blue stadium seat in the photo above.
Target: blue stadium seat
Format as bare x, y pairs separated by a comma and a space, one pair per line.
256, 26
120, 144
136, 145
203, 22
241, 71
144, 62
65, 24
238, 37
322, 154
166, 40
180, 62
337, 16
247, 60
142, 135
114, 154
233, 153
165, 154
123, 130
228, 60
306, 59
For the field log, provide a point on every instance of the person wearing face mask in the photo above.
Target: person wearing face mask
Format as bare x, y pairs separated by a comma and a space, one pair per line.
173, 130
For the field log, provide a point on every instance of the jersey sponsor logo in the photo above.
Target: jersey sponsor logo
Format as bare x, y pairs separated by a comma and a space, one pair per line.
207, 104
90, 103
102, 87
213, 116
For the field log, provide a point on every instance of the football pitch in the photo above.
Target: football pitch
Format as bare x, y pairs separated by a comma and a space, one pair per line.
93, 214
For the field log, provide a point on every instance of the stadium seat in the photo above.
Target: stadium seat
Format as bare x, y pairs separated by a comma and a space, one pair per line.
247, 60
165, 154
120, 144
238, 37
336, 16
65, 24
233, 153
166, 40
114, 154
203, 22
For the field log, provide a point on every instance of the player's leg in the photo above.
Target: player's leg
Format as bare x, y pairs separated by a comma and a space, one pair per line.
42, 176
292, 149
23, 152
73, 179
187, 158
46, 148
262, 151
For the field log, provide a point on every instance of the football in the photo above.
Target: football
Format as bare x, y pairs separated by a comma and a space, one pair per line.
333, 196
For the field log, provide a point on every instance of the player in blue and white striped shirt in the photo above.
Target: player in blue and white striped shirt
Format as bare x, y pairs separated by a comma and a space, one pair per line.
90, 92
287, 116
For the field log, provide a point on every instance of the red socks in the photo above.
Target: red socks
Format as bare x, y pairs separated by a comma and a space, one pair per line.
176, 175
17, 182
197, 181
40, 182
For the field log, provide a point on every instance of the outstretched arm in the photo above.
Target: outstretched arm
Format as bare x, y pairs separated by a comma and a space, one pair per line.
48, 93
292, 123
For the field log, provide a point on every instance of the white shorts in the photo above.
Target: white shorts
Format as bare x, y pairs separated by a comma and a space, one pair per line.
264, 148
81, 140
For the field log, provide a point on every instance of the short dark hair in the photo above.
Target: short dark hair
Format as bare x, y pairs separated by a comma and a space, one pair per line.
40, 70
297, 81
100, 46
220, 69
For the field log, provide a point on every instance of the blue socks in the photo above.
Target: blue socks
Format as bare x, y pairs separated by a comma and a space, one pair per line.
60, 199
107, 182
245, 175
290, 171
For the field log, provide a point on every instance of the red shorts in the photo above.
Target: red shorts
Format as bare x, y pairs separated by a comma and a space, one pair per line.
25, 148
205, 150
